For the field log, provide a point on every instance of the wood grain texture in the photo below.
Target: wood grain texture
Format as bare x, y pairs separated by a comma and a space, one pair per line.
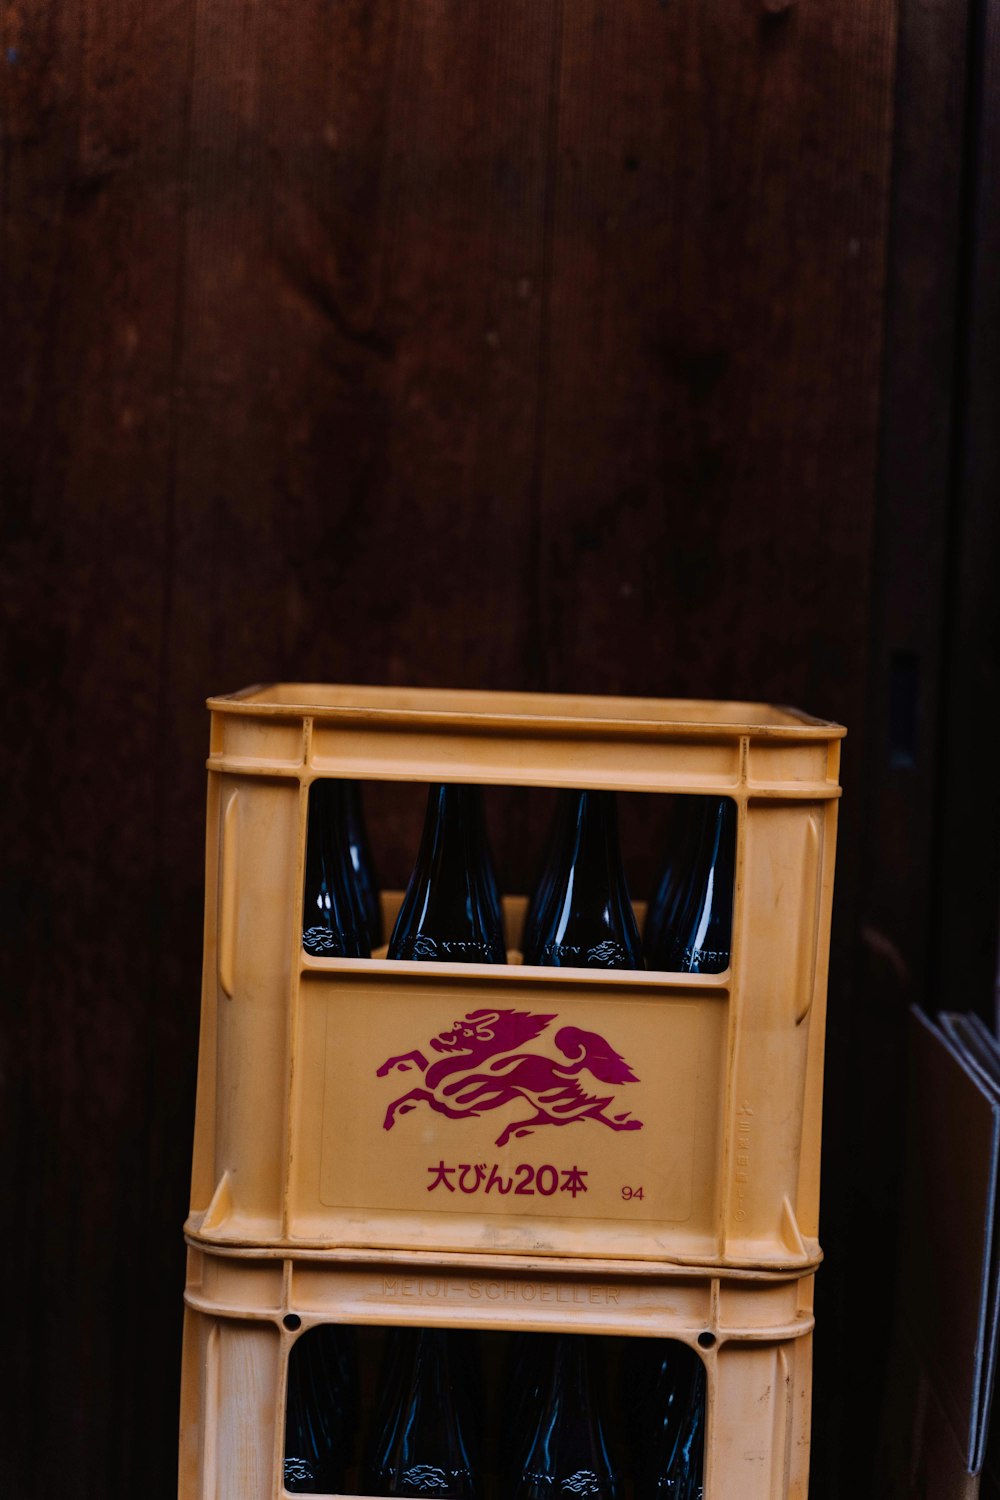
497, 344
92, 184
896, 919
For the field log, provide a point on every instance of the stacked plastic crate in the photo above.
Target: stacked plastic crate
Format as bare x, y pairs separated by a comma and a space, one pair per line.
328, 1188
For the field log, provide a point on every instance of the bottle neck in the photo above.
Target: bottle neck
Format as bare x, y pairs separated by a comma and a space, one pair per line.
593, 830
454, 835
571, 1372
431, 1367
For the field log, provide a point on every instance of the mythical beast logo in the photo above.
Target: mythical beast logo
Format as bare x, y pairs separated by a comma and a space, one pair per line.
483, 1068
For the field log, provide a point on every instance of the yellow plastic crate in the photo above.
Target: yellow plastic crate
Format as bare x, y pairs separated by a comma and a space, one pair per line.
302, 1139
244, 1311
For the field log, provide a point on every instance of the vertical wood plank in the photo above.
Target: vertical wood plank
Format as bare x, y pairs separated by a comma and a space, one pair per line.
91, 214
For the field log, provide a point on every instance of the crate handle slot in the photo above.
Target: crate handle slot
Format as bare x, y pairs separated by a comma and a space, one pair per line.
228, 896
810, 923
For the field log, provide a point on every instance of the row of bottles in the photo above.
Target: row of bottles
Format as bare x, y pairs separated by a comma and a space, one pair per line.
580, 914
552, 1434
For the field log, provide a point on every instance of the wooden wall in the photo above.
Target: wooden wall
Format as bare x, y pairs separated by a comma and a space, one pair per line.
472, 342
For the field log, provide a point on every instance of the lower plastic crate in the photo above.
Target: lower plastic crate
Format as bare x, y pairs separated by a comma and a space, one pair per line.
245, 1311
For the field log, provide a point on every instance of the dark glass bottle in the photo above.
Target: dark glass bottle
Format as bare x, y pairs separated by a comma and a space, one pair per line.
671, 1455
544, 889
334, 923
451, 910
638, 1375
361, 861
586, 917
693, 925
527, 1373
566, 1452
321, 1410
392, 1371
467, 1370
679, 846
424, 1442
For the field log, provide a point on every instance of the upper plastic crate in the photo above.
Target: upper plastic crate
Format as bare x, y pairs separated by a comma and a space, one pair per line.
315, 1128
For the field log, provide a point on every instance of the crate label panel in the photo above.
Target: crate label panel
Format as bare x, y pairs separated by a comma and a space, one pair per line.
542, 1103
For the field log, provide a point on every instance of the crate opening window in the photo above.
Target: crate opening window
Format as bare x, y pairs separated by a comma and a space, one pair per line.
459, 873
463, 1414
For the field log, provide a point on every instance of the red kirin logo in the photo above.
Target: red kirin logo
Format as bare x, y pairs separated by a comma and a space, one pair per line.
482, 1070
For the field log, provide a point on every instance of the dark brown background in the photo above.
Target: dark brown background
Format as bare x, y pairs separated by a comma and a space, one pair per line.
640, 346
